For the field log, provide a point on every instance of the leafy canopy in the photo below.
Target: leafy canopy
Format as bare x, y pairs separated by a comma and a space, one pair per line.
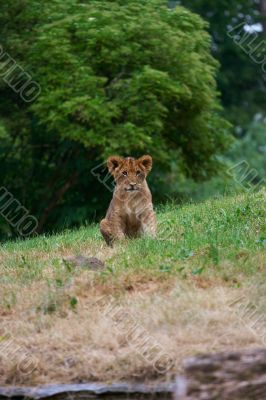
240, 79
126, 77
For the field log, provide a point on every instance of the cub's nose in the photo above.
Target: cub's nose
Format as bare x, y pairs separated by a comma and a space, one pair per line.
132, 185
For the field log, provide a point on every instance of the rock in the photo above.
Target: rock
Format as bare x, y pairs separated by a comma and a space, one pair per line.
92, 263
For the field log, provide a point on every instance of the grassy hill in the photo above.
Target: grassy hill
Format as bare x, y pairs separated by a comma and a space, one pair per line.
199, 288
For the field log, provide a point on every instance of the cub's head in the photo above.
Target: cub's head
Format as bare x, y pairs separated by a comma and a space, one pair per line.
129, 174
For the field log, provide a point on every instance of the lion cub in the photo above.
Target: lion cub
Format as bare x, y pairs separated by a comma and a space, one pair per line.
130, 212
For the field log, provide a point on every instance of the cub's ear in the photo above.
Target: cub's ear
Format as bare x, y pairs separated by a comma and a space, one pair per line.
113, 162
146, 162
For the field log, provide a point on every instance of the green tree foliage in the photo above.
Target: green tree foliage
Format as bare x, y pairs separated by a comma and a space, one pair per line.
126, 77
252, 149
240, 79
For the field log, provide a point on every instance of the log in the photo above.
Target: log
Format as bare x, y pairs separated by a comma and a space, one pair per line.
224, 376
87, 391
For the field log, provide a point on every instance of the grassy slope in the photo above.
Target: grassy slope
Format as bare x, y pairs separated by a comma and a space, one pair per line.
178, 293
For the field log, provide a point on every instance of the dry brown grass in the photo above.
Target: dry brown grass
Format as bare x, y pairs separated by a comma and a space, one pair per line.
93, 343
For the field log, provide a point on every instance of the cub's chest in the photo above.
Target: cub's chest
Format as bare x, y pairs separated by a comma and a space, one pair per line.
133, 207
132, 211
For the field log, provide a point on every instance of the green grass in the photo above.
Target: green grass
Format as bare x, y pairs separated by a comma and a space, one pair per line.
223, 237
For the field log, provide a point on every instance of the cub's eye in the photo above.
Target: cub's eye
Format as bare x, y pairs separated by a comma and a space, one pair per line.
138, 172
125, 173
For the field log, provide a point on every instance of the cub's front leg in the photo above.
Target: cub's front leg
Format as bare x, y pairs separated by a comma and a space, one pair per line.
113, 228
149, 223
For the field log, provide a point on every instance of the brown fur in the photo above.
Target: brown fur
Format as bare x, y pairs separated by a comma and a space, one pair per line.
130, 213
